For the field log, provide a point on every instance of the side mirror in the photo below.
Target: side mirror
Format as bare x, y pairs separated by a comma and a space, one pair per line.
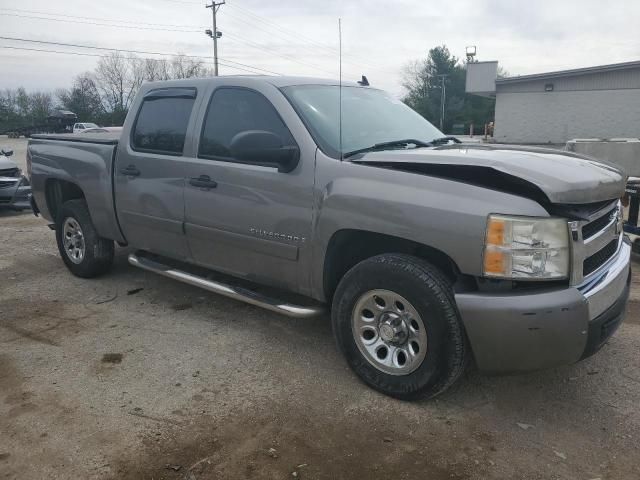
6, 153
260, 147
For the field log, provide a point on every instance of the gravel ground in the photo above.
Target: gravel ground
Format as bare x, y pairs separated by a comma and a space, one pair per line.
134, 376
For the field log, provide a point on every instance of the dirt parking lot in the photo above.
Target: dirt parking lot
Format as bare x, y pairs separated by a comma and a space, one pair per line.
134, 376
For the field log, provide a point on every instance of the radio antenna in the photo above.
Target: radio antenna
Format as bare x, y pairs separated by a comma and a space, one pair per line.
340, 85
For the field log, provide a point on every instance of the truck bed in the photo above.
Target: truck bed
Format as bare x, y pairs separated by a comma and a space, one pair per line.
83, 160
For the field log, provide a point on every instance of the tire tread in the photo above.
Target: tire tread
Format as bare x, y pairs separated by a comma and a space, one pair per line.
99, 252
457, 350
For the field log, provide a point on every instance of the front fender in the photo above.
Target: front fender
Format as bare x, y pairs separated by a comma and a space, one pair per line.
443, 214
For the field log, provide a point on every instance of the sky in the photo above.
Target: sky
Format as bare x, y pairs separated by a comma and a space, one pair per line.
300, 37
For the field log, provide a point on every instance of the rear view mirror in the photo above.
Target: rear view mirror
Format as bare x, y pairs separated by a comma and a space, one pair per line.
260, 147
6, 153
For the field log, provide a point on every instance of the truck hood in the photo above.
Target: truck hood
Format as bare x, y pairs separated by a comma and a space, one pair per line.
545, 175
5, 163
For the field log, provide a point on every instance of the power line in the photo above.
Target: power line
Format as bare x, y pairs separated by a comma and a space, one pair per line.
272, 33
104, 56
282, 55
140, 52
183, 3
251, 66
101, 19
158, 27
238, 38
294, 34
65, 20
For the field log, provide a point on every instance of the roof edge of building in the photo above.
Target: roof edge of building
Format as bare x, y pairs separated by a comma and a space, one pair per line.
568, 73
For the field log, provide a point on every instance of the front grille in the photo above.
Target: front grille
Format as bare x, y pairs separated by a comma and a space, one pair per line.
5, 200
590, 229
595, 261
9, 172
7, 183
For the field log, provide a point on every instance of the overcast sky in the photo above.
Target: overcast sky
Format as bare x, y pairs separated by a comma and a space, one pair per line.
300, 37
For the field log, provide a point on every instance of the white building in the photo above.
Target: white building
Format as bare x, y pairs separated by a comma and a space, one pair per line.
595, 102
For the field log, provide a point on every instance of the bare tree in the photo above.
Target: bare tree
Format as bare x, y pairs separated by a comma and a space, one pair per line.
137, 74
156, 69
188, 67
111, 78
118, 78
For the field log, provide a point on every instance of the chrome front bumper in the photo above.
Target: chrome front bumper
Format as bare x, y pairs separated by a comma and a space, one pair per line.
602, 291
525, 331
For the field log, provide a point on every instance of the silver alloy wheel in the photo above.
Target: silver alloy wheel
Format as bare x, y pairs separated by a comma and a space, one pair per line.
389, 332
73, 240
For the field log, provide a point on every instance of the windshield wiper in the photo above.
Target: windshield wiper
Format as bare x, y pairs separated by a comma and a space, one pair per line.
444, 140
392, 143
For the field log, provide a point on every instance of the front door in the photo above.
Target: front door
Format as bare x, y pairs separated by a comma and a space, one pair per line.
246, 219
150, 171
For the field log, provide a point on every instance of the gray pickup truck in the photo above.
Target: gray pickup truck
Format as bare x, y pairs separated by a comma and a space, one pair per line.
293, 193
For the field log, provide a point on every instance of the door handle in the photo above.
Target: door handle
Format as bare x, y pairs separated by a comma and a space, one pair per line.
203, 181
130, 171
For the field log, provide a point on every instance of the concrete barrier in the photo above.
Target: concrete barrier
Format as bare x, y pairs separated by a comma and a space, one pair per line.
624, 152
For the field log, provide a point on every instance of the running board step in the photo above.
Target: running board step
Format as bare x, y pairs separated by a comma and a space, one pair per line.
235, 292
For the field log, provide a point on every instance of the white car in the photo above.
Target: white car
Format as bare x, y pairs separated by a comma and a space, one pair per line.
102, 130
81, 127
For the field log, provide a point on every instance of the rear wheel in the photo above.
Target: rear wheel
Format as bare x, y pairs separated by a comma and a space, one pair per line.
395, 319
83, 251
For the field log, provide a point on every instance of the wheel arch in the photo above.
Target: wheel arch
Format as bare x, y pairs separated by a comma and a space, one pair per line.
348, 247
59, 191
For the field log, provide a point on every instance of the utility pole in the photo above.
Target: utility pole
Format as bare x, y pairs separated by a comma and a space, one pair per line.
214, 34
443, 97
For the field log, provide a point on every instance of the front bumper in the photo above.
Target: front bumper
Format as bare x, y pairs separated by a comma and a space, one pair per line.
519, 332
15, 192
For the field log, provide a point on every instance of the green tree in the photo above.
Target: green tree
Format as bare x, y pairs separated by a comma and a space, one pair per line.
423, 81
83, 99
9, 116
19, 108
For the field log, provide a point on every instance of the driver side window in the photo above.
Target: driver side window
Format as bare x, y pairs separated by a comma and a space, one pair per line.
236, 110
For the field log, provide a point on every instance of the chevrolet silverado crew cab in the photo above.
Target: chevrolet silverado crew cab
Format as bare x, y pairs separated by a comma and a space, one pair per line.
427, 252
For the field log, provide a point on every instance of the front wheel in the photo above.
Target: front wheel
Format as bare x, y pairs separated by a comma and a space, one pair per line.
395, 319
83, 251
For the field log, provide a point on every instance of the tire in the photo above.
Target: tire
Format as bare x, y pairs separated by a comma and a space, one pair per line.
97, 253
439, 355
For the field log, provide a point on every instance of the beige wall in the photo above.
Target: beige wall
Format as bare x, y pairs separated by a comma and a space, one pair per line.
555, 117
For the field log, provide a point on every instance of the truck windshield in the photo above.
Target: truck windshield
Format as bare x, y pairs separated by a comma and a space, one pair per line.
369, 117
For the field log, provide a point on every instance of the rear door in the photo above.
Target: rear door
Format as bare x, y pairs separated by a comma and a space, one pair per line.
150, 171
249, 220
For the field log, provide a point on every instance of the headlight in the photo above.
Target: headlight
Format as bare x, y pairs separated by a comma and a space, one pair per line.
524, 248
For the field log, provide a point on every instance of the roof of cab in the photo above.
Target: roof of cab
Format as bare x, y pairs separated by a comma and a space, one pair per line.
277, 81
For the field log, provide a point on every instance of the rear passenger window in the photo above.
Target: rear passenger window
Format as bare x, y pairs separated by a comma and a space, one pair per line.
162, 121
235, 110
